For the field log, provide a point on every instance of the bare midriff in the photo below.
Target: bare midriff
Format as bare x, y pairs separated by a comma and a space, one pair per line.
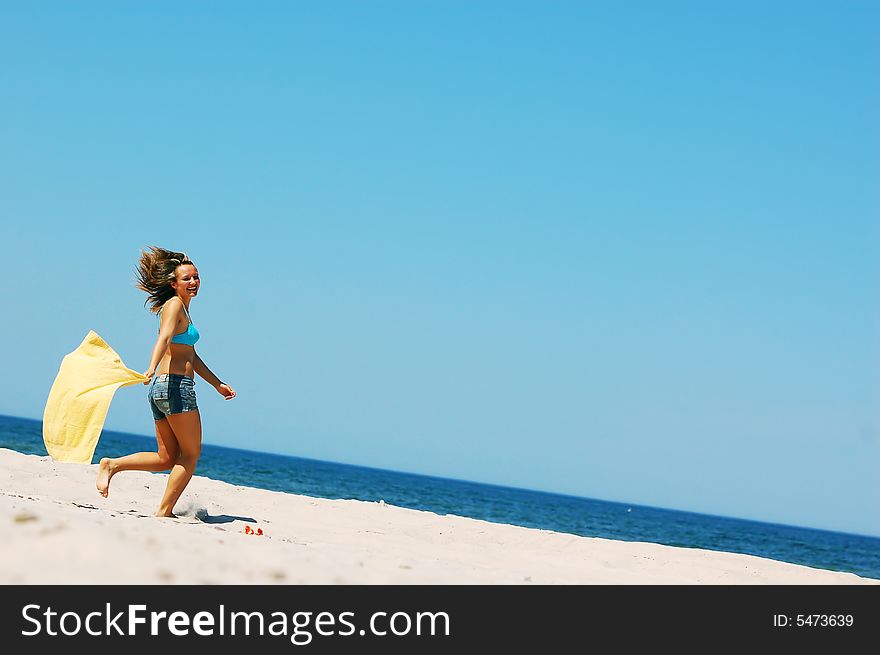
177, 359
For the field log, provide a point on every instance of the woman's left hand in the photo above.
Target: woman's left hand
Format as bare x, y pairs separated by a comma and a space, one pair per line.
226, 390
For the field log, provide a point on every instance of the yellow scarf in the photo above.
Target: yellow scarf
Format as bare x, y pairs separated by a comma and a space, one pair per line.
80, 397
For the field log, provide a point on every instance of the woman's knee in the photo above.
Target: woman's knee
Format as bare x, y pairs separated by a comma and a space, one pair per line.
167, 460
189, 460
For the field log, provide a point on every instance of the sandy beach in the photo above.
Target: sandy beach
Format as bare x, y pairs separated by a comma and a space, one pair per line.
57, 529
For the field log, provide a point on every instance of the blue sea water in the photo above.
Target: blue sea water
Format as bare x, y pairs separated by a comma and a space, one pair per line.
823, 549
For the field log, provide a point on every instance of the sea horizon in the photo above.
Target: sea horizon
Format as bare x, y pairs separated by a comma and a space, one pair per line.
476, 482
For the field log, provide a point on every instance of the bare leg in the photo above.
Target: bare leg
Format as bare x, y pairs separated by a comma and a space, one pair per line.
187, 427
159, 461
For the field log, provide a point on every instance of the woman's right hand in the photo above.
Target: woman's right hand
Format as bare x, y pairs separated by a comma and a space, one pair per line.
149, 375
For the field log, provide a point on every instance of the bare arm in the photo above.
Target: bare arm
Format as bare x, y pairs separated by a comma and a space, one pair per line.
202, 369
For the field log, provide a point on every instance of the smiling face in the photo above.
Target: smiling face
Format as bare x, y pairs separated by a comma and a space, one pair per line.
187, 283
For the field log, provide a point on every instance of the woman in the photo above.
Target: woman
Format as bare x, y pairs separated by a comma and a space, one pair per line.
172, 281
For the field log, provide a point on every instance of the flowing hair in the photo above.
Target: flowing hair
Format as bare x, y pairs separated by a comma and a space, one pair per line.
155, 272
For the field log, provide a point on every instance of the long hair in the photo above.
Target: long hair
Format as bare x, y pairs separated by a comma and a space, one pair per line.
155, 272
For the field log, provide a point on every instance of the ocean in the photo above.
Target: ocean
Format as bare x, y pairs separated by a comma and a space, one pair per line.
822, 549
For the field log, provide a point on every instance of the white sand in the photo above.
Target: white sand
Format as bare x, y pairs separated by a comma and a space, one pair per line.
58, 529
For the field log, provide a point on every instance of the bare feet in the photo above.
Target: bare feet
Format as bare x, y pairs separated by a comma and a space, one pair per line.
104, 475
162, 515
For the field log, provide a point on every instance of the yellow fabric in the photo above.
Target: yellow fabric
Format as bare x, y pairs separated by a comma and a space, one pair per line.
80, 397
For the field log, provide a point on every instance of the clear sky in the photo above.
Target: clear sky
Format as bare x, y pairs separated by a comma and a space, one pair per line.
626, 251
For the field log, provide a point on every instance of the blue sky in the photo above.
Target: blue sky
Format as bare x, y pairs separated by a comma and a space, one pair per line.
623, 252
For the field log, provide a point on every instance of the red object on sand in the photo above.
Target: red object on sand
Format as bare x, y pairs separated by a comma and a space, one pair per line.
260, 531
247, 529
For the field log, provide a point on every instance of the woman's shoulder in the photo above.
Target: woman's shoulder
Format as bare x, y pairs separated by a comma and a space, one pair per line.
173, 304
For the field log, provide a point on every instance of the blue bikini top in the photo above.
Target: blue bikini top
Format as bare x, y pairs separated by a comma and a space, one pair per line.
187, 338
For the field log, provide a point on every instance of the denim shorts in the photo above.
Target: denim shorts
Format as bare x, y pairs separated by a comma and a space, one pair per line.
171, 393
